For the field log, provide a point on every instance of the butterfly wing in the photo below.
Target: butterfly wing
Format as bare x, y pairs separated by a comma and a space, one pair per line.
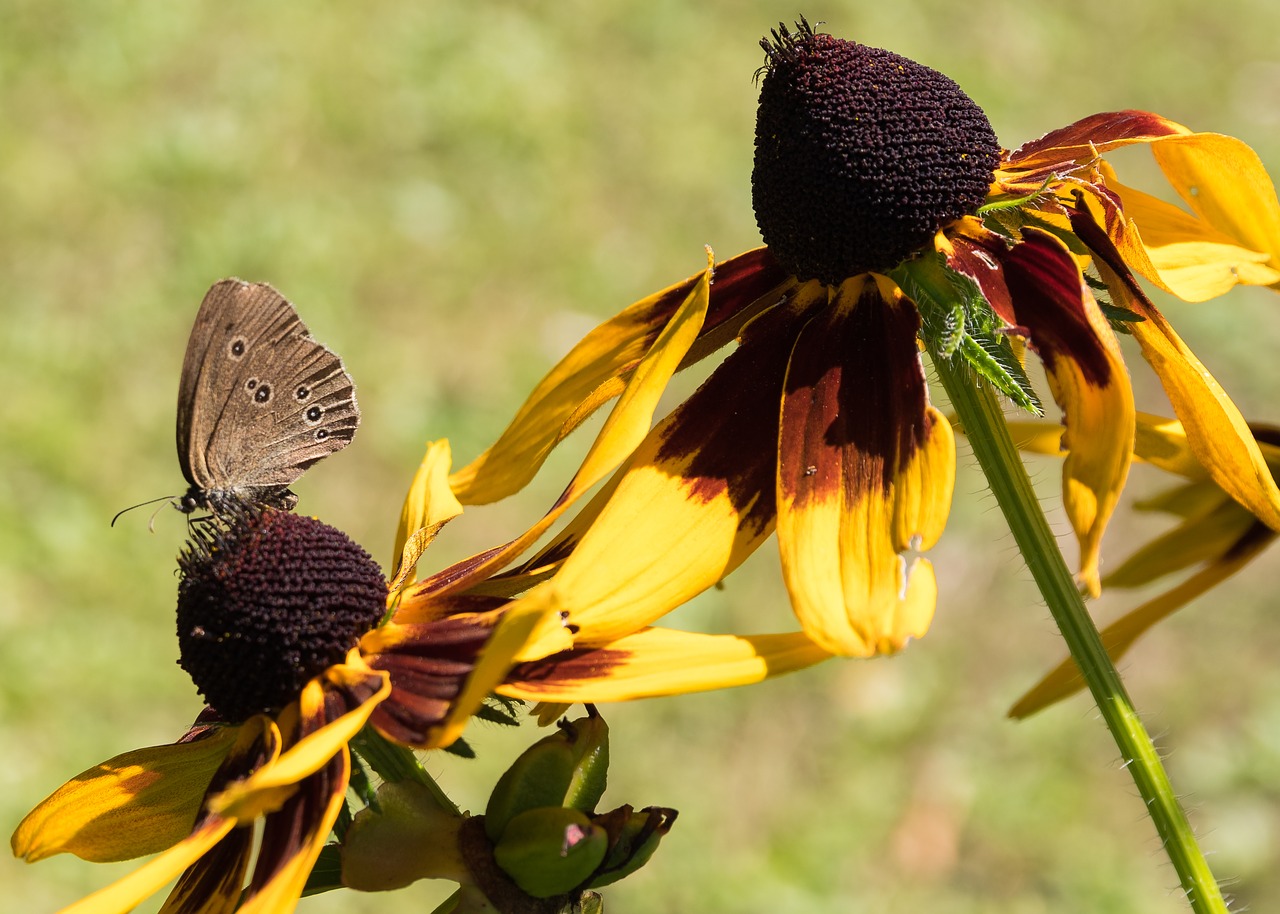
260, 400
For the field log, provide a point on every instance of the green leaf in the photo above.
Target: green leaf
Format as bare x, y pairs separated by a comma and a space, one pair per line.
959, 323
326, 874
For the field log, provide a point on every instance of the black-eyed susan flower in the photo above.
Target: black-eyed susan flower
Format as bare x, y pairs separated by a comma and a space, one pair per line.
281, 627
892, 220
1214, 537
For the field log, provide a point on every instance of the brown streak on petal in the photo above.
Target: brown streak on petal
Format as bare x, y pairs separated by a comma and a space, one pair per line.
1100, 243
1265, 434
1048, 299
741, 287
567, 667
218, 874
409, 719
242, 761
1256, 535
428, 671
1075, 142
450, 577
981, 263
725, 436
287, 831
854, 411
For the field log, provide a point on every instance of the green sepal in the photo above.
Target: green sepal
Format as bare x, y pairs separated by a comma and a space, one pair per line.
410, 835
567, 768
501, 710
550, 851
1003, 203
633, 837
958, 322
326, 872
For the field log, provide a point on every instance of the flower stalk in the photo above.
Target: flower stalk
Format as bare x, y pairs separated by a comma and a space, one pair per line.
979, 413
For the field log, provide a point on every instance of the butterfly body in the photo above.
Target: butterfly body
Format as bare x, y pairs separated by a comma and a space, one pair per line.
260, 401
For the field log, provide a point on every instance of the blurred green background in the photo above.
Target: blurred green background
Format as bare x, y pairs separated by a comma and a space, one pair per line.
452, 193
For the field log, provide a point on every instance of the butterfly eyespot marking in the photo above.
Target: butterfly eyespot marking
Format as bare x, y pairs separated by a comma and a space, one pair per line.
302, 393
251, 384
314, 414
237, 348
322, 434
263, 394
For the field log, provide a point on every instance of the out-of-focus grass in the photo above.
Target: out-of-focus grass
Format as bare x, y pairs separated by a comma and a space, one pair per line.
452, 193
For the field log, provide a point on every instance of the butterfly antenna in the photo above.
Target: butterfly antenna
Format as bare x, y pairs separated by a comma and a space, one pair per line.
142, 504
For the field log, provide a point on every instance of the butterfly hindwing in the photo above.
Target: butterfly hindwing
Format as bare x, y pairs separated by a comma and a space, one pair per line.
260, 401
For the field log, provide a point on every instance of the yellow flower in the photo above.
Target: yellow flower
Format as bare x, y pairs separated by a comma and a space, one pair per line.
1215, 535
891, 217
279, 627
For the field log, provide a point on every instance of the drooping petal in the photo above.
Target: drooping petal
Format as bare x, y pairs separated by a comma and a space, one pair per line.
696, 498
293, 837
127, 893
137, 803
255, 743
1225, 183
599, 367
1217, 432
213, 884
1087, 138
428, 506
1088, 379
627, 425
658, 661
1202, 537
1118, 637
865, 475
1159, 441
441, 670
332, 709
1193, 259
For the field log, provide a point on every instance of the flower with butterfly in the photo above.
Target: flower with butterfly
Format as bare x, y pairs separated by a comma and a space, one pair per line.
294, 639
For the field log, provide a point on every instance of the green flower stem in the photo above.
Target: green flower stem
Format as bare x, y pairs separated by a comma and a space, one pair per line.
980, 415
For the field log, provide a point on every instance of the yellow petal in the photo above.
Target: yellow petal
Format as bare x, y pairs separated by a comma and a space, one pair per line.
286, 857
1218, 434
656, 662
266, 789
1225, 183
1037, 437
696, 498
626, 426
865, 476
1065, 679
137, 803
428, 506
125, 894
1203, 537
517, 627
1088, 379
1193, 259
598, 367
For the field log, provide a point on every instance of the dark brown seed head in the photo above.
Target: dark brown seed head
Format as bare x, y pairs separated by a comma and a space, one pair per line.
266, 602
861, 155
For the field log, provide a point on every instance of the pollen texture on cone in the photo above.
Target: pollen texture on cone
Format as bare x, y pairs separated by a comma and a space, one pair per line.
267, 602
861, 155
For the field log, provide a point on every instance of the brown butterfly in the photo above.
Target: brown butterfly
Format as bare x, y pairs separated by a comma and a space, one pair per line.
260, 401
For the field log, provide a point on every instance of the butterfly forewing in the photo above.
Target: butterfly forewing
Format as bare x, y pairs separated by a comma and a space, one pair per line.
260, 400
